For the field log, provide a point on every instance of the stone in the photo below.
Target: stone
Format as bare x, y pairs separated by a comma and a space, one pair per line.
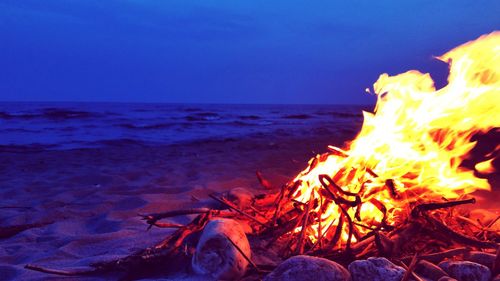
375, 269
308, 268
240, 196
429, 270
466, 270
216, 257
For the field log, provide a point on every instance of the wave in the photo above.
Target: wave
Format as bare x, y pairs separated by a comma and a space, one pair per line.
192, 109
20, 130
93, 125
297, 116
340, 114
249, 117
146, 127
203, 116
58, 113
119, 142
25, 116
49, 113
26, 148
242, 123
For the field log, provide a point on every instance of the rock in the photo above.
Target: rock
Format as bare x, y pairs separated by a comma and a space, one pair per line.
466, 270
429, 270
375, 269
240, 196
483, 258
216, 256
307, 268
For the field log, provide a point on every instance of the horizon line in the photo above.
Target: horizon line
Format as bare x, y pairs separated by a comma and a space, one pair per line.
180, 103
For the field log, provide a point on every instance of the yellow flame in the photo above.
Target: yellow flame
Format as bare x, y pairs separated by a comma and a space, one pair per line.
485, 167
414, 142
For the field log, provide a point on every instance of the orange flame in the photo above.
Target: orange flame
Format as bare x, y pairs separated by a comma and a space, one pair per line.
411, 148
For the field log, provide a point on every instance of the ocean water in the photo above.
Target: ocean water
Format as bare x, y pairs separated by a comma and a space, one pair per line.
79, 125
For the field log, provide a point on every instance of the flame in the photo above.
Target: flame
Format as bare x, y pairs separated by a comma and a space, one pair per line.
410, 149
485, 167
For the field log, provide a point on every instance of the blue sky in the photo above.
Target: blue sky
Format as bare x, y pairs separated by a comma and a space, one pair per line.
225, 51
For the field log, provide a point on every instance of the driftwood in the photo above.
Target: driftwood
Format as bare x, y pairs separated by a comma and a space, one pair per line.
73, 272
223, 251
410, 268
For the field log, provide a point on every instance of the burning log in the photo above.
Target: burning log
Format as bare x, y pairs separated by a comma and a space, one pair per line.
439, 205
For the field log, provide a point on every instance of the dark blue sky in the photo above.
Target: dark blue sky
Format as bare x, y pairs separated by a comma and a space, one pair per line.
224, 51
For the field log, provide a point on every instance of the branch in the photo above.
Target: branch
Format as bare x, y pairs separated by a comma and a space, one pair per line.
74, 272
439, 205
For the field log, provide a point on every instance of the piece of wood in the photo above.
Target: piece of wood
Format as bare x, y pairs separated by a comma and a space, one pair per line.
440, 256
234, 208
439, 205
243, 254
410, 268
73, 272
263, 182
461, 238
152, 219
305, 220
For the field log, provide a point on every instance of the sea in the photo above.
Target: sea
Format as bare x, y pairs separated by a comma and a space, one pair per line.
59, 126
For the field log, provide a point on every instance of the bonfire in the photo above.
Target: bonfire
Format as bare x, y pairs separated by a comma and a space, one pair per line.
398, 190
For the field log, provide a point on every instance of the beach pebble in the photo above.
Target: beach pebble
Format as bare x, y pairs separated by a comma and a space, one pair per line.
216, 256
429, 270
308, 268
483, 258
466, 270
240, 196
375, 269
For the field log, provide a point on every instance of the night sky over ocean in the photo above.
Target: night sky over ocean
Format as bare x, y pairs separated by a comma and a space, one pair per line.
317, 52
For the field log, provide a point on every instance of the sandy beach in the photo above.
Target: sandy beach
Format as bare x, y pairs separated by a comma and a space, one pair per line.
84, 202
66, 205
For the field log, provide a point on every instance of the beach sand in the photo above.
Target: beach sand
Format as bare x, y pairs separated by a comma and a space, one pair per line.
87, 200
